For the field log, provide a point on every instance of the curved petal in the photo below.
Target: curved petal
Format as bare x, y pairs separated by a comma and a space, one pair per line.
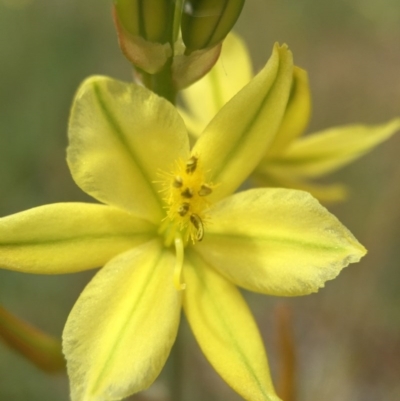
121, 330
297, 113
327, 151
68, 237
229, 75
121, 137
237, 138
226, 331
277, 241
328, 193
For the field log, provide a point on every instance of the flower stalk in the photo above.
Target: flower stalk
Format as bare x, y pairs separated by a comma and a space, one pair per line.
286, 386
161, 82
42, 350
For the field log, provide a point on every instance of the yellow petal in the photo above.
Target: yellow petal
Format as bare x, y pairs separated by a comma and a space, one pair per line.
237, 138
68, 237
121, 137
121, 330
328, 150
297, 113
226, 331
229, 75
277, 241
323, 192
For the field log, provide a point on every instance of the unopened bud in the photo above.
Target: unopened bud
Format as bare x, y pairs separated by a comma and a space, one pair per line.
205, 23
149, 19
144, 29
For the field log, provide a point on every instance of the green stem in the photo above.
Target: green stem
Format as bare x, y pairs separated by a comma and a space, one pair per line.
177, 19
40, 348
161, 82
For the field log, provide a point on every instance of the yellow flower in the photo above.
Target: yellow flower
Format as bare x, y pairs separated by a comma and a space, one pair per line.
173, 234
291, 160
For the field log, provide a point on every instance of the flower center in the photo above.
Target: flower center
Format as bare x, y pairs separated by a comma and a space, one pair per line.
186, 194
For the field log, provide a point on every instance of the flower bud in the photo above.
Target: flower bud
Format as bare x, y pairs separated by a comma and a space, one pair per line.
149, 19
144, 29
205, 23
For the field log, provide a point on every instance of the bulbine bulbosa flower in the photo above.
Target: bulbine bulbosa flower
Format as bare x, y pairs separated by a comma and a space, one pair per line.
171, 232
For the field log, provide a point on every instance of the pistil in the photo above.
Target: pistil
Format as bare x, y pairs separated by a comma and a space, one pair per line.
179, 248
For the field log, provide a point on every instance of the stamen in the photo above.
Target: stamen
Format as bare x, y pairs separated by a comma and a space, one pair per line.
187, 193
198, 225
204, 190
183, 209
178, 181
191, 165
179, 248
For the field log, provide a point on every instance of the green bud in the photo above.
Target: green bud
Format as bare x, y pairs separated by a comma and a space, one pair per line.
149, 19
144, 29
206, 23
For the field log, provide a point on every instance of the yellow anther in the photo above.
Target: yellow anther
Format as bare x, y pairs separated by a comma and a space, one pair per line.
178, 182
183, 209
204, 190
198, 225
191, 165
187, 193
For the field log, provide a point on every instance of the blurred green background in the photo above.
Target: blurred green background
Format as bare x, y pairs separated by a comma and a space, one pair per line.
348, 335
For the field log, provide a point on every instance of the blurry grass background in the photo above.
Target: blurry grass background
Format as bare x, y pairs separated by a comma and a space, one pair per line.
348, 335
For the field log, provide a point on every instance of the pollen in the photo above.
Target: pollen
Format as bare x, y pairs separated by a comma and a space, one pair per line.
186, 192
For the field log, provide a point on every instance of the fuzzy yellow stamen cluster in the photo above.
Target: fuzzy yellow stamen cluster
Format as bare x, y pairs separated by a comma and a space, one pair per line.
186, 193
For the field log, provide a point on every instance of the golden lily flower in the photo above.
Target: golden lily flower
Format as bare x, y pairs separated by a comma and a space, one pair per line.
173, 234
291, 160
